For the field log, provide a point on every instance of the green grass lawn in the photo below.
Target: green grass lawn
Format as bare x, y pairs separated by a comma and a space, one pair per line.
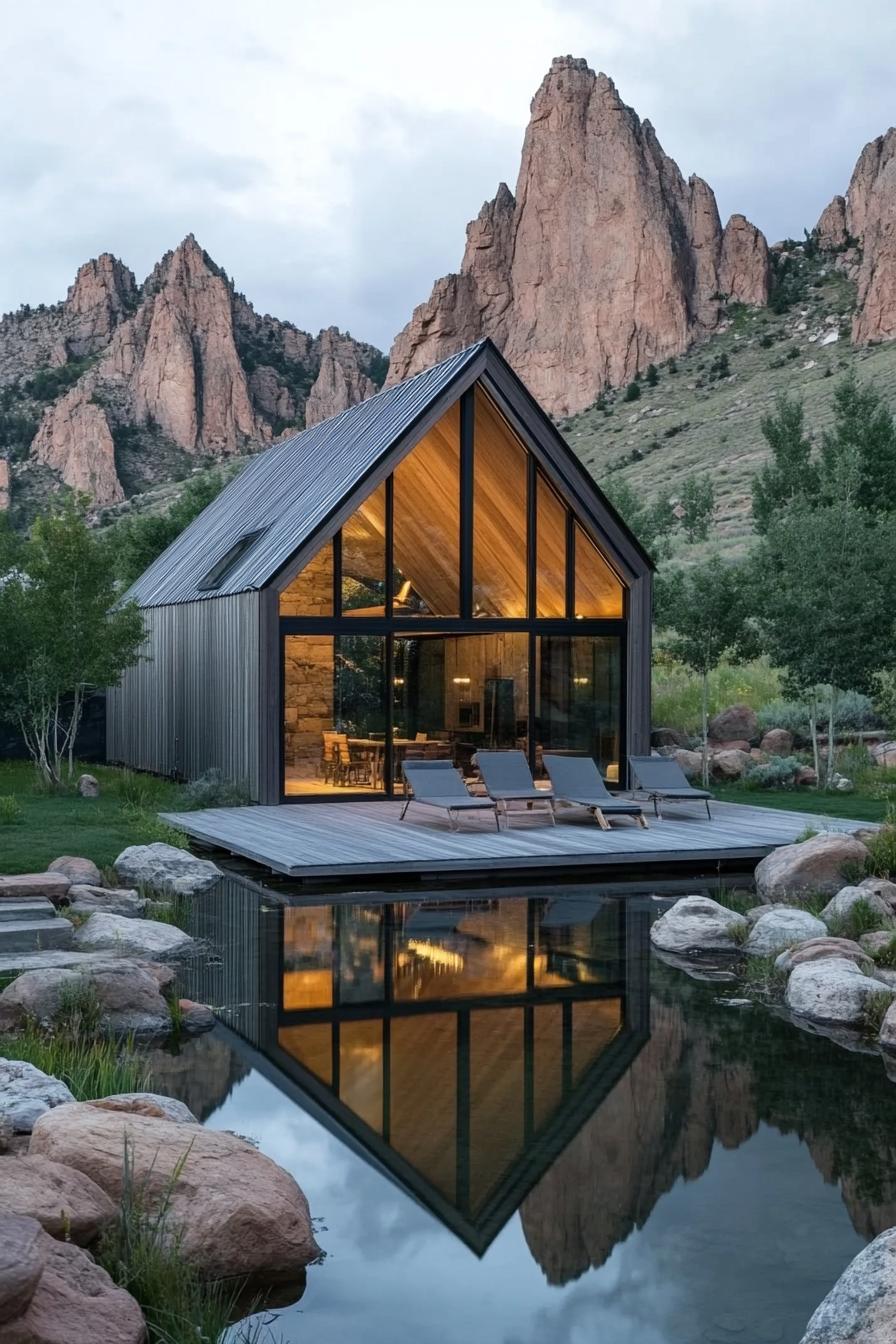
852, 806
64, 823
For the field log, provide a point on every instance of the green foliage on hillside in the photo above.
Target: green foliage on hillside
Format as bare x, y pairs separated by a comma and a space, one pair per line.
135, 541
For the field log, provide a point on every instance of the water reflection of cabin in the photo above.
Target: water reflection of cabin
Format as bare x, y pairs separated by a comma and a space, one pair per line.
429, 572
459, 1045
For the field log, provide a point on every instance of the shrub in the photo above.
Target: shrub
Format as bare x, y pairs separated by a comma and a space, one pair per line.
632, 392
11, 811
214, 789
807, 833
881, 847
652, 376
853, 712
766, 340
676, 691
778, 772
885, 698
886, 956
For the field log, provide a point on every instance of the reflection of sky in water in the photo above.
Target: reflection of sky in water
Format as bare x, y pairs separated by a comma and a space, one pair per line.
744, 1253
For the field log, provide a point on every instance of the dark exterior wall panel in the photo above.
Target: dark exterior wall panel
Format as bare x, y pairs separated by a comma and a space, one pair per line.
193, 700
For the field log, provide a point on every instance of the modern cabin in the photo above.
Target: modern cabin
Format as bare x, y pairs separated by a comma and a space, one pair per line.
426, 574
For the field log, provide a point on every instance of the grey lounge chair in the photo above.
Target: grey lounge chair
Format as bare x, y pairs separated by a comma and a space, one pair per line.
438, 784
663, 780
508, 779
576, 779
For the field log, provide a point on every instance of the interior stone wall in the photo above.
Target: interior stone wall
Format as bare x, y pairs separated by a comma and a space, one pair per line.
308, 668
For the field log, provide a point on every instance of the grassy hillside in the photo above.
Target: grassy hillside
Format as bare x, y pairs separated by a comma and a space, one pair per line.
704, 413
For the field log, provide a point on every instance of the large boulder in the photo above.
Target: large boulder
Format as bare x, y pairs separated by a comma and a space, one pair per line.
780, 928
737, 722
729, 764
819, 949
128, 937
77, 870
26, 1093
840, 907
65, 1202
128, 994
84, 900
833, 991
877, 940
74, 1302
166, 868
883, 753
695, 925
691, 762
669, 737
777, 742
861, 1306
239, 1215
54, 886
814, 865
22, 1258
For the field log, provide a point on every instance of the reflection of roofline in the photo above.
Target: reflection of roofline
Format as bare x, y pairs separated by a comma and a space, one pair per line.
314, 1097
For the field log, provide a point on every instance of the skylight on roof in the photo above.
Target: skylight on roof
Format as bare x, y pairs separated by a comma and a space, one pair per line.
228, 562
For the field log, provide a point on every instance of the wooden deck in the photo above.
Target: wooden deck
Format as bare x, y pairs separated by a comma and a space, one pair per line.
359, 839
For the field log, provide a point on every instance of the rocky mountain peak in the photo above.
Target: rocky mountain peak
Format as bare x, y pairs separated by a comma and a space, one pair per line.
150, 380
603, 261
871, 219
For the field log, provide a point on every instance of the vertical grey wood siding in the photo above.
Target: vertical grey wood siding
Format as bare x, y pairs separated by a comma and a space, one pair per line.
192, 702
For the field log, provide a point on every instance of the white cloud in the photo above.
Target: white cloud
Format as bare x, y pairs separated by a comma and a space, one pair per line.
329, 156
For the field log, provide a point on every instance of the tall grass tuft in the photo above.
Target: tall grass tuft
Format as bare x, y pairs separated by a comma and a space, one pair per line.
88, 1067
876, 1006
11, 811
860, 918
142, 1252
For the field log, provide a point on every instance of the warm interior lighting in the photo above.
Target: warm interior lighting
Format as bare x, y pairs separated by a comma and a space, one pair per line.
398, 681
404, 592
439, 956
581, 681
461, 681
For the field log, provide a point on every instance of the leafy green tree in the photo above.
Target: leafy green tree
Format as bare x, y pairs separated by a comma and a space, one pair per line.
698, 499
826, 577
791, 475
706, 609
858, 456
135, 542
63, 635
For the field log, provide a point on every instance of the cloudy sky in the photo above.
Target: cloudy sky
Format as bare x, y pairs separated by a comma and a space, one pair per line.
328, 156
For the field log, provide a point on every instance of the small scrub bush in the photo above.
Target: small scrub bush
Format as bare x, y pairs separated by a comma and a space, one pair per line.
739, 933
632, 392
881, 847
886, 956
763, 976
876, 1006
11, 811
807, 833
778, 772
214, 789
859, 919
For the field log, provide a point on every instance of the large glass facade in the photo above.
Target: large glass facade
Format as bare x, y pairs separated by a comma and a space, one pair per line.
461, 606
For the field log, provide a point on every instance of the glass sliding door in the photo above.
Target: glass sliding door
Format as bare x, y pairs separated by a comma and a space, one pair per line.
334, 713
578, 698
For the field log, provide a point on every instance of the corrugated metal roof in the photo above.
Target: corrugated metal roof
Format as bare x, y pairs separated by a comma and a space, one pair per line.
289, 491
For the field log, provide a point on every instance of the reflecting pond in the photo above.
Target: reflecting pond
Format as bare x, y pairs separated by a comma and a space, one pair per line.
513, 1125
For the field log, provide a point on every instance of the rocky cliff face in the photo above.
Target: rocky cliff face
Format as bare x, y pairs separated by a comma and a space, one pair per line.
126, 384
604, 260
686, 1091
866, 218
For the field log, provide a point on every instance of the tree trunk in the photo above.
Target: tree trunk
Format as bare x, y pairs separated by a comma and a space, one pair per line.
704, 728
829, 764
813, 732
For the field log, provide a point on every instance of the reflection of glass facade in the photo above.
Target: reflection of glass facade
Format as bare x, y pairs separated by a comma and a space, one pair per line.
460, 606
460, 1039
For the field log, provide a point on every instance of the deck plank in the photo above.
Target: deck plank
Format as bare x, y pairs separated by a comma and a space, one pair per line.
355, 839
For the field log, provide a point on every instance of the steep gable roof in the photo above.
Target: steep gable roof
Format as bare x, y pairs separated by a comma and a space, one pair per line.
285, 495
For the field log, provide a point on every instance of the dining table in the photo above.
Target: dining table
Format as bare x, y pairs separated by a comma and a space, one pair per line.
377, 749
